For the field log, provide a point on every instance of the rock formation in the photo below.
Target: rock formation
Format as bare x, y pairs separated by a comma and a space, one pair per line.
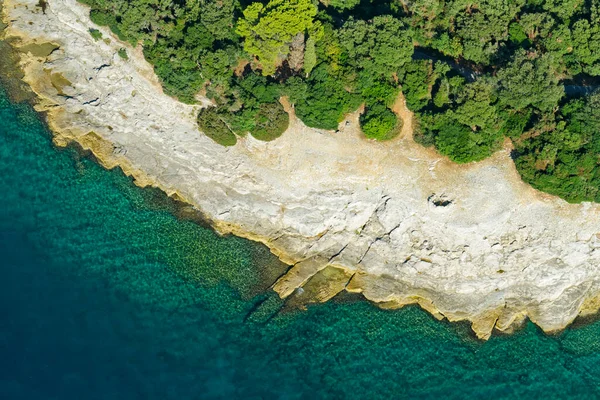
393, 221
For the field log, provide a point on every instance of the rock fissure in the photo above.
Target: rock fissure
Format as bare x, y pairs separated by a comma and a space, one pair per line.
101, 67
337, 253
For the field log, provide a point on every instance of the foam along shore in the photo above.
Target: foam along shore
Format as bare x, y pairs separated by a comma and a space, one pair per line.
393, 221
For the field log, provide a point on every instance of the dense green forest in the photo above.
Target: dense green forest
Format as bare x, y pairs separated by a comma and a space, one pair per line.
474, 72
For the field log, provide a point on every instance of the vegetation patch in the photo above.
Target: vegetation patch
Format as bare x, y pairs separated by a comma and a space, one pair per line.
473, 74
58, 81
123, 53
564, 158
214, 126
39, 49
96, 34
380, 123
271, 122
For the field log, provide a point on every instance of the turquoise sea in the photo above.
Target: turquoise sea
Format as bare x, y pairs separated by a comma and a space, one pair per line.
108, 291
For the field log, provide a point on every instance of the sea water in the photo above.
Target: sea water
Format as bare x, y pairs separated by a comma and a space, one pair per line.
107, 292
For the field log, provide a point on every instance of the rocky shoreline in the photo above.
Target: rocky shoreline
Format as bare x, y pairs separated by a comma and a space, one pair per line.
393, 221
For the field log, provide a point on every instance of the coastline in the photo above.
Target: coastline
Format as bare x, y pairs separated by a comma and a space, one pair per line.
346, 213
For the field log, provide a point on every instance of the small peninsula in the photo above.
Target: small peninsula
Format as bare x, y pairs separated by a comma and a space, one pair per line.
410, 182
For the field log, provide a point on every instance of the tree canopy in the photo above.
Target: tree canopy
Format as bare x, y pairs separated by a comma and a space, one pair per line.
268, 29
380, 46
473, 73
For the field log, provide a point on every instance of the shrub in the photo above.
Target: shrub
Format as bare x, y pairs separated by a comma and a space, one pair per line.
380, 123
463, 145
123, 54
104, 19
213, 125
271, 122
415, 84
326, 100
96, 34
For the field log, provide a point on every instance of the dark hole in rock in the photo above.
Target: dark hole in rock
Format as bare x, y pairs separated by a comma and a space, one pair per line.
439, 201
442, 203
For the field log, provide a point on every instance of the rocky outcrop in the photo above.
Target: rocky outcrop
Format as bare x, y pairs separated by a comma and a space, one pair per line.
393, 221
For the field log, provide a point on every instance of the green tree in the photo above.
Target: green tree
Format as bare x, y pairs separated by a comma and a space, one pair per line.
268, 29
136, 20
212, 123
461, 144
475, 105
310, 53
529, 79
424, 18
270, 122
564, 160
586, 45
375, 89
341, 4
483, 28
564, 9
123, 53
379, 122
325, 101
416, 81
536, 24
381, 46
560, 42
218, 17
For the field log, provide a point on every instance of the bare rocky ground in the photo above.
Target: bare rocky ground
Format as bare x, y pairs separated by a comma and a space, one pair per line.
393, 221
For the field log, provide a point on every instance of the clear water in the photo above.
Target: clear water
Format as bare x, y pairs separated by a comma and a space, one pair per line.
105, 294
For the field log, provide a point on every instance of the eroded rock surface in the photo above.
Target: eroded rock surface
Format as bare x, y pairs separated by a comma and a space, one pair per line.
393, 221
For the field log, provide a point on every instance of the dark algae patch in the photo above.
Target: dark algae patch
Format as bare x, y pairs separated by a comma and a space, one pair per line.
59, 82
39, 49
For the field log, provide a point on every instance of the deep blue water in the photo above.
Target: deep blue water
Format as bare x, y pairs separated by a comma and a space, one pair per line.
106, 294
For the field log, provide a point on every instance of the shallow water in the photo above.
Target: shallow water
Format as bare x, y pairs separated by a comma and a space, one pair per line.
105, 294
